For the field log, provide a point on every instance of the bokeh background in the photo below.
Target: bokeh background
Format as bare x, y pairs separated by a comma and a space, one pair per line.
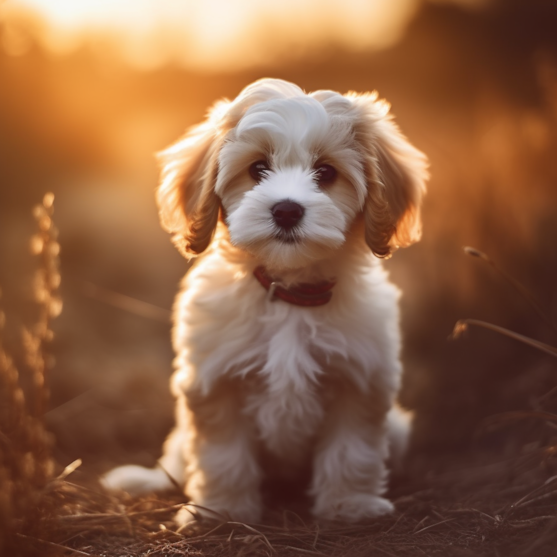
91, 89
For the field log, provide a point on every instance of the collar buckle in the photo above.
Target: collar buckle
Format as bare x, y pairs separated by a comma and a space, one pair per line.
307, 295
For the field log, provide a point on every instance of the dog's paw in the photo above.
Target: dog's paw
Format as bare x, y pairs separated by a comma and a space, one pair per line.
353, 508
136, 480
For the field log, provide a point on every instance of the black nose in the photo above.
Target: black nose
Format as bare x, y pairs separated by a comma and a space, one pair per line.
287, 214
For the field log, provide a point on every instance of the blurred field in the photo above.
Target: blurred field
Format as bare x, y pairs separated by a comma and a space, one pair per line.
476, 90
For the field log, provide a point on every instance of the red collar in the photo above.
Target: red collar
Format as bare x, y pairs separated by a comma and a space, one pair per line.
300, 295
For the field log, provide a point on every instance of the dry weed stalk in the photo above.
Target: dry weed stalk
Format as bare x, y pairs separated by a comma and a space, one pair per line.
461, 326
26, 464
517, 285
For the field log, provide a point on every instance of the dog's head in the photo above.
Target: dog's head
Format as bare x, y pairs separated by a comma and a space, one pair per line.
290, 173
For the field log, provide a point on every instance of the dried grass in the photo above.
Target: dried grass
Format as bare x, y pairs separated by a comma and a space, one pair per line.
499, 508
26, 465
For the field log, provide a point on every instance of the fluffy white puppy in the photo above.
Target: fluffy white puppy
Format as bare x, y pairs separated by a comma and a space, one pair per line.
286, 329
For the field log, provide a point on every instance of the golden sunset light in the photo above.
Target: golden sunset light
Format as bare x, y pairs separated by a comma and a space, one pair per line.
213, 34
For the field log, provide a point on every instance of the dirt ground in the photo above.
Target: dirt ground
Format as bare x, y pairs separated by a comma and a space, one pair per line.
474, 505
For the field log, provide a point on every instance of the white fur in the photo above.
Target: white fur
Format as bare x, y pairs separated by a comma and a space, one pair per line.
258, 376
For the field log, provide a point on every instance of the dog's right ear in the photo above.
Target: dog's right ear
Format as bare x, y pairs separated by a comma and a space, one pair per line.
188, 205
397, 175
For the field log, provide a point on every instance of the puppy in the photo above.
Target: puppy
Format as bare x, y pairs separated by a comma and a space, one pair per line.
286, 329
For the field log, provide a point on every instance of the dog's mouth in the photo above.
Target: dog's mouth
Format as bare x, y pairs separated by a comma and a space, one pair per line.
288, 236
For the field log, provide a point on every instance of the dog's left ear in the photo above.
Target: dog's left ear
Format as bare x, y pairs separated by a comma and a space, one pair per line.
188, 206
396, 176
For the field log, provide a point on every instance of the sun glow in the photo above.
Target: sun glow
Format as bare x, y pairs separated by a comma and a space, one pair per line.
210, 34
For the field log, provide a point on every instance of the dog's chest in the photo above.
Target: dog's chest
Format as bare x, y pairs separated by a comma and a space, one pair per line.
231, 329
285, 401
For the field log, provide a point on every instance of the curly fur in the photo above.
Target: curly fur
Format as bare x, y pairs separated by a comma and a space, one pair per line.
255, 376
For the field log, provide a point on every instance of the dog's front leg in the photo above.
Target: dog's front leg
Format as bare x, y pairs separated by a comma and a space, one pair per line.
349, 472
223, 474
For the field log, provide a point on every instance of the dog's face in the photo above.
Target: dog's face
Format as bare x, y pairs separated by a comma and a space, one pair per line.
290, 173
291, 181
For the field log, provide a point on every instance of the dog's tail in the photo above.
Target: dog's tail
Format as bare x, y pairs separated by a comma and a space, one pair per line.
399, 427
138, 480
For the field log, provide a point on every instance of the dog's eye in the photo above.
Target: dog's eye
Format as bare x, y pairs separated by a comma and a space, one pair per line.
325, 174
259, 170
